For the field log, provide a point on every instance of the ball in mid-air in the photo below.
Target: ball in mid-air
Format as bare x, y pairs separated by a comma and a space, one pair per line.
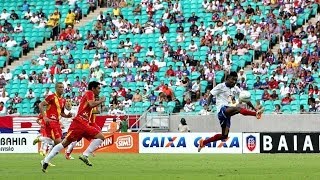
245, 96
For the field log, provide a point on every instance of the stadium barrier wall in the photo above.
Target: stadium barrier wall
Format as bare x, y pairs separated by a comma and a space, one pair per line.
17, 143
113, 143
237, 143
239, 123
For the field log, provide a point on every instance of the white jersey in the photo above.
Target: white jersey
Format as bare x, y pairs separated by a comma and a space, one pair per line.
67, 121
224, 94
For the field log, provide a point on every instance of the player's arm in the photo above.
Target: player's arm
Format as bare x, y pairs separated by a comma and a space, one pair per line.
93, 103
42, 106
63, 114
214, 92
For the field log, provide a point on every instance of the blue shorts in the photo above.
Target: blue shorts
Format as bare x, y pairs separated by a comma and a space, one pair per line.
223, 119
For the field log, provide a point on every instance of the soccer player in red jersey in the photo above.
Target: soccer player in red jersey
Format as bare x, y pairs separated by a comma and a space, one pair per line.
80, 127
92, 123
54, 104
43, 138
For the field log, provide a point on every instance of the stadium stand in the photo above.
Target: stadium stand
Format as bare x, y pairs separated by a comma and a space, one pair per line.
166, 55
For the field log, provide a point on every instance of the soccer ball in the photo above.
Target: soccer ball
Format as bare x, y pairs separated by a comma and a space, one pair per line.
245, 96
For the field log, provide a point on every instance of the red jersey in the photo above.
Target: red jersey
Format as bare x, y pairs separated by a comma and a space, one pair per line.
55, 106
85, 111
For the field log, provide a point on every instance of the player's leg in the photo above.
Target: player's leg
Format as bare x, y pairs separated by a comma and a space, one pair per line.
75, 132
70, 149
98, 137
231, 111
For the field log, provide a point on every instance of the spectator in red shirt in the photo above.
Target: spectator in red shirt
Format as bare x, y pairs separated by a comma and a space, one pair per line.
54, 69
137, 48
164, 28
273, 84
170, 72
154, 67
63, 35
16, 99
287, 100
122, 92
168, 92
266, 95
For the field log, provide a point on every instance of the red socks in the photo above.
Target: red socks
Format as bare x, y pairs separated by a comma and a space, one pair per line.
247, 112
214, 138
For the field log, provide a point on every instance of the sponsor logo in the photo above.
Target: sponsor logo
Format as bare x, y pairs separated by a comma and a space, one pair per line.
251, 142
164, 142
80, 144
13, 141
124, 142
108, 141
228, 143
290, 142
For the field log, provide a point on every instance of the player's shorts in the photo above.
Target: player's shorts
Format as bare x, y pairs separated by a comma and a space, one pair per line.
53, 130
81, 129
95, 125
223, 119
43, 131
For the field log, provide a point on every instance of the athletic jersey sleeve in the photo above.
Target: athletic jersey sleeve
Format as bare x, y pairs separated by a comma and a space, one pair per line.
237, 90
49, 98
89, 96
216, 90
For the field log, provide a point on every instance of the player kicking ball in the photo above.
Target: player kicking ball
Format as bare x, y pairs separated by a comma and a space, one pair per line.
223, 93
80, 127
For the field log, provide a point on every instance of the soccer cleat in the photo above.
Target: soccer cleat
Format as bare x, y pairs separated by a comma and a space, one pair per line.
44, 166
85, 160
36, 140
42, 153
259, 113
51, 165
200, 146
68, 157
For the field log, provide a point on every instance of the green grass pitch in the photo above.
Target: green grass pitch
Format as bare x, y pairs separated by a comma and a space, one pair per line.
165, 166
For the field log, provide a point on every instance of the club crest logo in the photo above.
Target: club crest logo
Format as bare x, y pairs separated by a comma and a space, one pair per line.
251, 142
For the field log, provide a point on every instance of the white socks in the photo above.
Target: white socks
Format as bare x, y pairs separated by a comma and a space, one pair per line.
92, 147
56, 149
71, 146
46, 140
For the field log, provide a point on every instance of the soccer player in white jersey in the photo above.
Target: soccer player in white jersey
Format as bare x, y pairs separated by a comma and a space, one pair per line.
66, 124
224, 93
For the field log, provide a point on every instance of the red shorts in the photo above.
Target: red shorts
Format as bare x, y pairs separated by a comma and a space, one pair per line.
43, 131
81, 129
95, 125
53, 130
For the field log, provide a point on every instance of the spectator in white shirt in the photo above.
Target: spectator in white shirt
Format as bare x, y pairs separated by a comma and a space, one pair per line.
263, 70
162, 38
193, 47
205, 111
127, 44
30, 94
95, 63
160, 108
127, 102
180, 37
42, 60
47, 92
28, 14
101, 17
150, 52
4, 15
66, 82
189, 106
11, 43
34, 19
183, 126
8, 75
18, 28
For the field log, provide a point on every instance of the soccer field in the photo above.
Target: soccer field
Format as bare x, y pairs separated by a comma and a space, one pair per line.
165, 166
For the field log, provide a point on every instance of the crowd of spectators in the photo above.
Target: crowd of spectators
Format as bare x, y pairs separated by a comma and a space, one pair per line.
233, 30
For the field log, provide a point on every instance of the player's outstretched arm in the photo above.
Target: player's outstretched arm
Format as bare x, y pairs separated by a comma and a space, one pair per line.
43, 111
251, 105
94, 103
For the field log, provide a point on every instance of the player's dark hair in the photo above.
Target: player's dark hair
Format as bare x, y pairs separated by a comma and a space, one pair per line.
232, 74
93, 84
